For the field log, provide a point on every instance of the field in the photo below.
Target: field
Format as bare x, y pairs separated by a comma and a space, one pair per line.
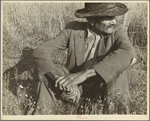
27, 25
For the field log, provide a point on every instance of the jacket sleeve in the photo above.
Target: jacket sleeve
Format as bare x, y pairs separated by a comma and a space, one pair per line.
118, 60
43, 54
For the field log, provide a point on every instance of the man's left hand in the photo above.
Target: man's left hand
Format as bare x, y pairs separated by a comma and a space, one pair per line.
70, 79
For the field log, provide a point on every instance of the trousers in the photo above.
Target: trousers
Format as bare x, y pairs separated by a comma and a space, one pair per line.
115, 93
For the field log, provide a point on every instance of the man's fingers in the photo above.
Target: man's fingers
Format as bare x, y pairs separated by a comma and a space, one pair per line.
69, 84
77, 93
64, 85
73, 97
78, 96
68, 90
75, 90
74, 94
60, 84
59, 78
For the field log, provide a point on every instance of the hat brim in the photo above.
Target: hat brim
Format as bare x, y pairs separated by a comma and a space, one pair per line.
116, 11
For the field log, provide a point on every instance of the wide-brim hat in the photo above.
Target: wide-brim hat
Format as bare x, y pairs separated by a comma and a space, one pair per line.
101, 9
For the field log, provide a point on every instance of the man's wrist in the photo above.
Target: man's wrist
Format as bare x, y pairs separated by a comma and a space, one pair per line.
90, 72
53, 75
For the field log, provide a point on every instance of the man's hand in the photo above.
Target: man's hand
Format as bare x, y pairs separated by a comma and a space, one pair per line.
74, 93
65, 82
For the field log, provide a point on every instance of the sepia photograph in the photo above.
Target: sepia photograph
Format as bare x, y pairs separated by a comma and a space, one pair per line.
74, 58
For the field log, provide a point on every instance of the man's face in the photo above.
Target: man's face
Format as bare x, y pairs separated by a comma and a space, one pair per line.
105, 24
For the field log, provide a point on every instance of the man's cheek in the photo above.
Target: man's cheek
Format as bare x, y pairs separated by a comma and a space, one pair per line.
110, 30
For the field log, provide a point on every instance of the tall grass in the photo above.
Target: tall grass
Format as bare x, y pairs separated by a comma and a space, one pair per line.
27, 25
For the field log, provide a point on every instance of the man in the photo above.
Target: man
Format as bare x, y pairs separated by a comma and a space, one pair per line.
99, 53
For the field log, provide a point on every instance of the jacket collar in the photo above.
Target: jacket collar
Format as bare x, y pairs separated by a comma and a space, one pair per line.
80, 45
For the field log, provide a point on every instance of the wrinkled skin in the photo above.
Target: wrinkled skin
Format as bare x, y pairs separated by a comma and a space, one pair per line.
69, 84
102, 24
65, 82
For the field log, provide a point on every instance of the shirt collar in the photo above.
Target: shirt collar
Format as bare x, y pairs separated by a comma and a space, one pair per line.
90, 33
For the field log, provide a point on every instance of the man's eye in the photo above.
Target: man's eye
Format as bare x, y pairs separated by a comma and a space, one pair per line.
109, 18
112, 17
104, 18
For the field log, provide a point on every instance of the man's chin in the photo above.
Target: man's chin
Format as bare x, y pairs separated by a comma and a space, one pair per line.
110, 31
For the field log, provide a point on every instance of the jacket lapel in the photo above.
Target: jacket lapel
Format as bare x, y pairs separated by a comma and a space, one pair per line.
80, 47
105, 45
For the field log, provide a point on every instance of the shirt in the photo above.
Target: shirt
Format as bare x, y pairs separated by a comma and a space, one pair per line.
91, 44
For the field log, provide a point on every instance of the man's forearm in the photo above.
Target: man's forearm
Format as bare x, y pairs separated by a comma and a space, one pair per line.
90, 72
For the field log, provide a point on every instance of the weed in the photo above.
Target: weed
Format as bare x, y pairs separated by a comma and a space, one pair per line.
27, 25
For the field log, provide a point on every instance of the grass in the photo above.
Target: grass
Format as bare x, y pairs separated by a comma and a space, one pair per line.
27, 25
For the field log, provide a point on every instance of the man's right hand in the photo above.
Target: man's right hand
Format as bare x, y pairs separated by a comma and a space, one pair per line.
73, 95
77, 94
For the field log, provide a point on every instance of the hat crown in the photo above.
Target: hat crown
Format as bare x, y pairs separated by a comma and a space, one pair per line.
101, 9
99, 6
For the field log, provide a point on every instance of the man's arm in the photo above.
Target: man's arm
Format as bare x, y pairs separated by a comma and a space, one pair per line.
119, 59
67, 81
110, 67
90, 72
43, 54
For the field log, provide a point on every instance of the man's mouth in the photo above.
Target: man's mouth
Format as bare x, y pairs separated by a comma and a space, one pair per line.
110, 26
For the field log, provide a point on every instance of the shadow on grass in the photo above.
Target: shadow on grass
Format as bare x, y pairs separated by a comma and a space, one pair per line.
24, 75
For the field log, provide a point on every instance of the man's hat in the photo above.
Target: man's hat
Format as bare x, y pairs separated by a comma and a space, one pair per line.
101, 9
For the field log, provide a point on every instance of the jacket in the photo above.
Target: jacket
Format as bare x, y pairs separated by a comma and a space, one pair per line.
115, 51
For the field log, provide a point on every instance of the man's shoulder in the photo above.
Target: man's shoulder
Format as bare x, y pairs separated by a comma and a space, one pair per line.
76, 25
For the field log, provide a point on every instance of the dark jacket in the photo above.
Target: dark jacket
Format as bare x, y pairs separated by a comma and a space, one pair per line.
115, 52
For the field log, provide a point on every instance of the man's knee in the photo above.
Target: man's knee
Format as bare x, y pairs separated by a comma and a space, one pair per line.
117, 102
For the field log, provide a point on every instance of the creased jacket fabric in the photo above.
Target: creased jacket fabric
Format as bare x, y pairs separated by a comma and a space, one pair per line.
115, 51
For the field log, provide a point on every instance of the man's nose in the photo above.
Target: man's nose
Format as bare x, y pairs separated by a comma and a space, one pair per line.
113, 21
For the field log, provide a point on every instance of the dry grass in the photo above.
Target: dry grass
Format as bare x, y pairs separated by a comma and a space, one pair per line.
27, 25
